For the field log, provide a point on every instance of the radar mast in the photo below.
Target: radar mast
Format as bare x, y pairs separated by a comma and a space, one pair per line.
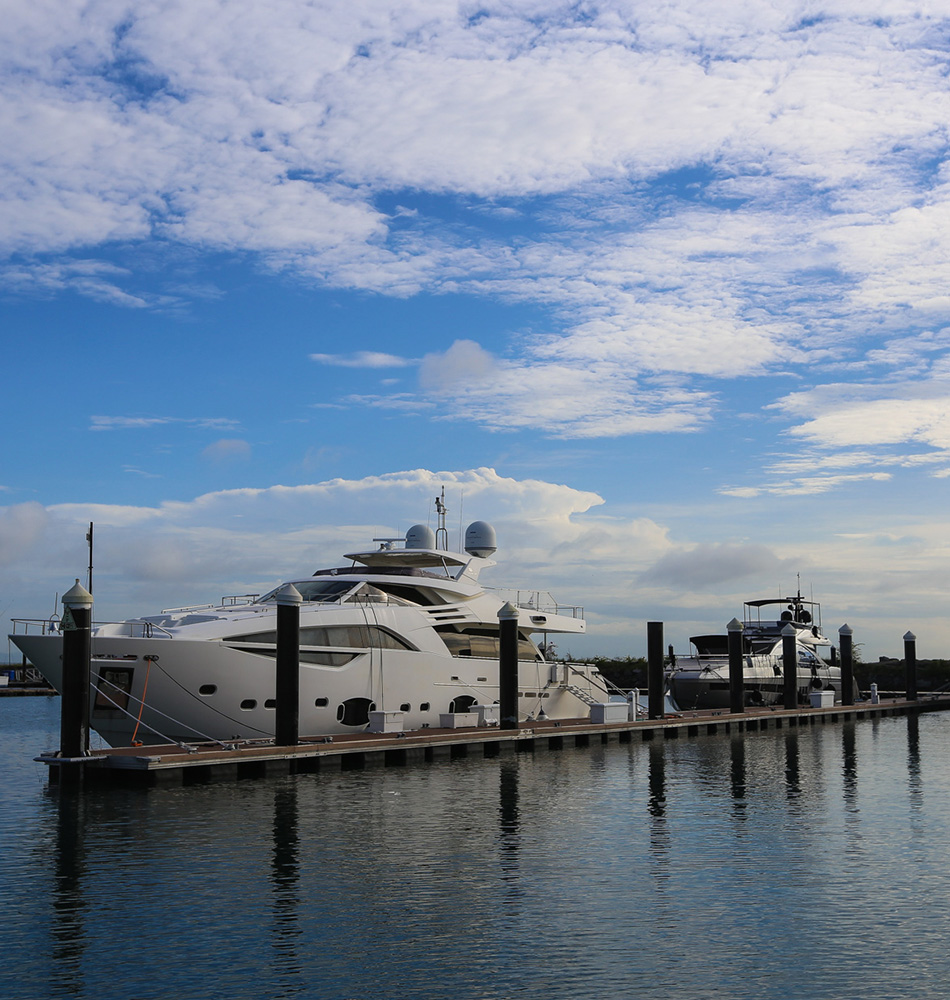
441, 532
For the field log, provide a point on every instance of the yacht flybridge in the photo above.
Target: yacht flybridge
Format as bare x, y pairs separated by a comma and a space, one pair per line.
406, 627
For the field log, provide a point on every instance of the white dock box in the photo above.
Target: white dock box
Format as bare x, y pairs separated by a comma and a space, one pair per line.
488, 715
822, 699
609, 711
458, 720
386, 722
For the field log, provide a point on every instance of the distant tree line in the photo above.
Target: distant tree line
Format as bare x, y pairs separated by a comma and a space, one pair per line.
888, 674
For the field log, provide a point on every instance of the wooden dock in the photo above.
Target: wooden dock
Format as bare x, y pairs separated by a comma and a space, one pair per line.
207, 762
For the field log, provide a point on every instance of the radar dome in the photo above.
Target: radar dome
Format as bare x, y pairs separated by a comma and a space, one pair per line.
480, 539
420, 536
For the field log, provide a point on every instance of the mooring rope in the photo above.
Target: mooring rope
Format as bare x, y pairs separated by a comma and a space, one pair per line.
152, 729
204, 705
149, 660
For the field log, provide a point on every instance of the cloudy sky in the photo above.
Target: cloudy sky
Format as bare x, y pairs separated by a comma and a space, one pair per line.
660, 289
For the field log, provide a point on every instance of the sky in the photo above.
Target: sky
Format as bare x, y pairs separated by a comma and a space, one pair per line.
659, 289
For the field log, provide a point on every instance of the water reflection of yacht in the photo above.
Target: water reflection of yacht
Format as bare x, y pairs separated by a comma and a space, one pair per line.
702, 680
406, 627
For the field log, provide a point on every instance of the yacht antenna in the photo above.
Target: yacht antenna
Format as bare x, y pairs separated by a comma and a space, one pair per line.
441, 533
89, 540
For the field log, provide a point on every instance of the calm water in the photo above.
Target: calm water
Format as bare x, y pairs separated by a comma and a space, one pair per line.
812, 864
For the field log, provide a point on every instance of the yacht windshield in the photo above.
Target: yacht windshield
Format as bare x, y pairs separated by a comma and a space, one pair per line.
325, 591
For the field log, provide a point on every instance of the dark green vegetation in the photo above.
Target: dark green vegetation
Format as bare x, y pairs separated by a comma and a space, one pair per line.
932, 675
624, 671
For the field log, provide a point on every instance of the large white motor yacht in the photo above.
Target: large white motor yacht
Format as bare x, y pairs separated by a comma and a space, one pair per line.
406, 627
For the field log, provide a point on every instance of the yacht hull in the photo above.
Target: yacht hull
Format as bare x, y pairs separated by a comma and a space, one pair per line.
699, 686
193, 690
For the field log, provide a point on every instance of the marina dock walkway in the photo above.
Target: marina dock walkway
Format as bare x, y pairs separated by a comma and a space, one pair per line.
204, 762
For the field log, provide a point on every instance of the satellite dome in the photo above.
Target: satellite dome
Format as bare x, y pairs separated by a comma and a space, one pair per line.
420, 536
480, 539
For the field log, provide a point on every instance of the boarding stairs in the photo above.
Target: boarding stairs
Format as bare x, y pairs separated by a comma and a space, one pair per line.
579, 693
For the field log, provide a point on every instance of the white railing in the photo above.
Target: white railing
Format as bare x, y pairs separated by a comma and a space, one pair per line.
53, 626
537, 600
36, 626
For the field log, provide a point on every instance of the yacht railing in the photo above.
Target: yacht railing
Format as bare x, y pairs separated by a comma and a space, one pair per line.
36, 626
537, 600
129, 630
231, 601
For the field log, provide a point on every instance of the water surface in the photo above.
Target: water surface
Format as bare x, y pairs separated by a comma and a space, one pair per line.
807, 863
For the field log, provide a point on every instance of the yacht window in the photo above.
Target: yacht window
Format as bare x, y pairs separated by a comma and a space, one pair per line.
321, 591
405, 707
113, 690
424, 707
485, 646
369, 594
347, 636
322, 702
410, 595
323, 659
355, 711
248, 704
270, 703
207, 689
327, 659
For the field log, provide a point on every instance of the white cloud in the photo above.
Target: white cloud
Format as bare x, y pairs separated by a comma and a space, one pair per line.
21, 528
624, 568
572, 402
464, 363
854, 415
227, 450
705, 566
105, 423
804, 485
707, 192
362, 359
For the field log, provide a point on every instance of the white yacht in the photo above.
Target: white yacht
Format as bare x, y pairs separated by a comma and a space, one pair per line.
405, 627
702, 679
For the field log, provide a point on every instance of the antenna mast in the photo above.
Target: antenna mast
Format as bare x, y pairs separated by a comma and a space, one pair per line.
441, 532
89, 540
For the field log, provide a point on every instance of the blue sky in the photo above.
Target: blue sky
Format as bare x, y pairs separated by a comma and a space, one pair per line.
659, 289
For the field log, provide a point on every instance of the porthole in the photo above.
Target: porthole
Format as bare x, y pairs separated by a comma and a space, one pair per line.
248, 704
424, 707
270, 703
322, 702
405, 707
481, 678
207, 689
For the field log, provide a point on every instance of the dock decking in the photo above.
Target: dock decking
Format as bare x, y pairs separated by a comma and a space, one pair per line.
205, 762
